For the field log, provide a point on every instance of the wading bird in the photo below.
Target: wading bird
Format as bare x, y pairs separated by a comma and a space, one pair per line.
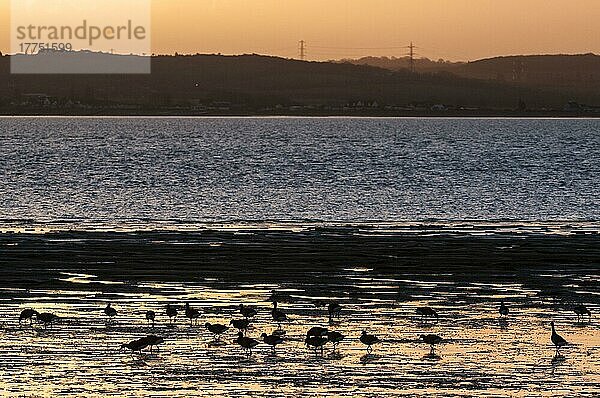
46, 319
27, 314
273, 340
216, 329
246, 343
240, 324
335, 338
316, 342
150, 316
369, 340
427, 312
136, 346
335, 311
278, 316
153, 341
432, 340
317, 331
191, 313
247, 311
557, 340
582, 311
171, 313
110, 312
503, 310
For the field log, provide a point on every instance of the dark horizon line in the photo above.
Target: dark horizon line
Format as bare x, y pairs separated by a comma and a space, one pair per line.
178, 54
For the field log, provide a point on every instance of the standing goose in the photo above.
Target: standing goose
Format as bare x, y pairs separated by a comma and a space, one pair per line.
582, 311
317, 331
432, 340
247, 311
246, 343
191, 313
557, 340
153, 341
136, 346
171, 313
46, 319
27, 314
273, 340
335, 338
240, 324
216, 329
278, 316
110, 312
316, 342
503, 310
335, 310
150, 316
369, 340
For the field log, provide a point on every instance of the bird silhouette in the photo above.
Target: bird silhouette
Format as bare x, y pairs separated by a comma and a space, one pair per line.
335, 310
335, 338
278, 316
557, 340
247, 311
171, 313
432, 340
46, 319
136, 346
317, 331
150, 316
27, 314
316, 343
273, 340
153, 341
240, 324
246, 343
216, 329
191, 313
369, 340
427, 312
503, 310
110, 312
582, 311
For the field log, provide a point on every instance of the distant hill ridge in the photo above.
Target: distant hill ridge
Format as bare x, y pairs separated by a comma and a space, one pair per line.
255, 81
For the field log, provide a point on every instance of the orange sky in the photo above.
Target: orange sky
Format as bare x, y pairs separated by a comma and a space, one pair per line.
450, 29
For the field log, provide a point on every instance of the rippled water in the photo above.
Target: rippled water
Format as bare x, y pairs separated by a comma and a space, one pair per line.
123, 170
481, 356
382, 215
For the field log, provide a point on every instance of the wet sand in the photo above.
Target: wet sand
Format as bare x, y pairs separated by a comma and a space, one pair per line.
379, 276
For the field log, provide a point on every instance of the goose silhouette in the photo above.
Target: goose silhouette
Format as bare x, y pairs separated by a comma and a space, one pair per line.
27, 314
240, 324
273, 340
369, 340
582, 311
432, 340
150, 316
191, 313
216, 329
246, 343
247, 311
171, 313
557, 340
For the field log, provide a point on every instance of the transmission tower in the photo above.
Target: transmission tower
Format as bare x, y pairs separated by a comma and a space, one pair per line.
412, 57
302, 49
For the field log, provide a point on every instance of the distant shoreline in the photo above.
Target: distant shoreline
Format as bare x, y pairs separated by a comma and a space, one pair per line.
377, 114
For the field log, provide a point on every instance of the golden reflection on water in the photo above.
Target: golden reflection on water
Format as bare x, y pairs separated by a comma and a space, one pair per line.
481, 355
